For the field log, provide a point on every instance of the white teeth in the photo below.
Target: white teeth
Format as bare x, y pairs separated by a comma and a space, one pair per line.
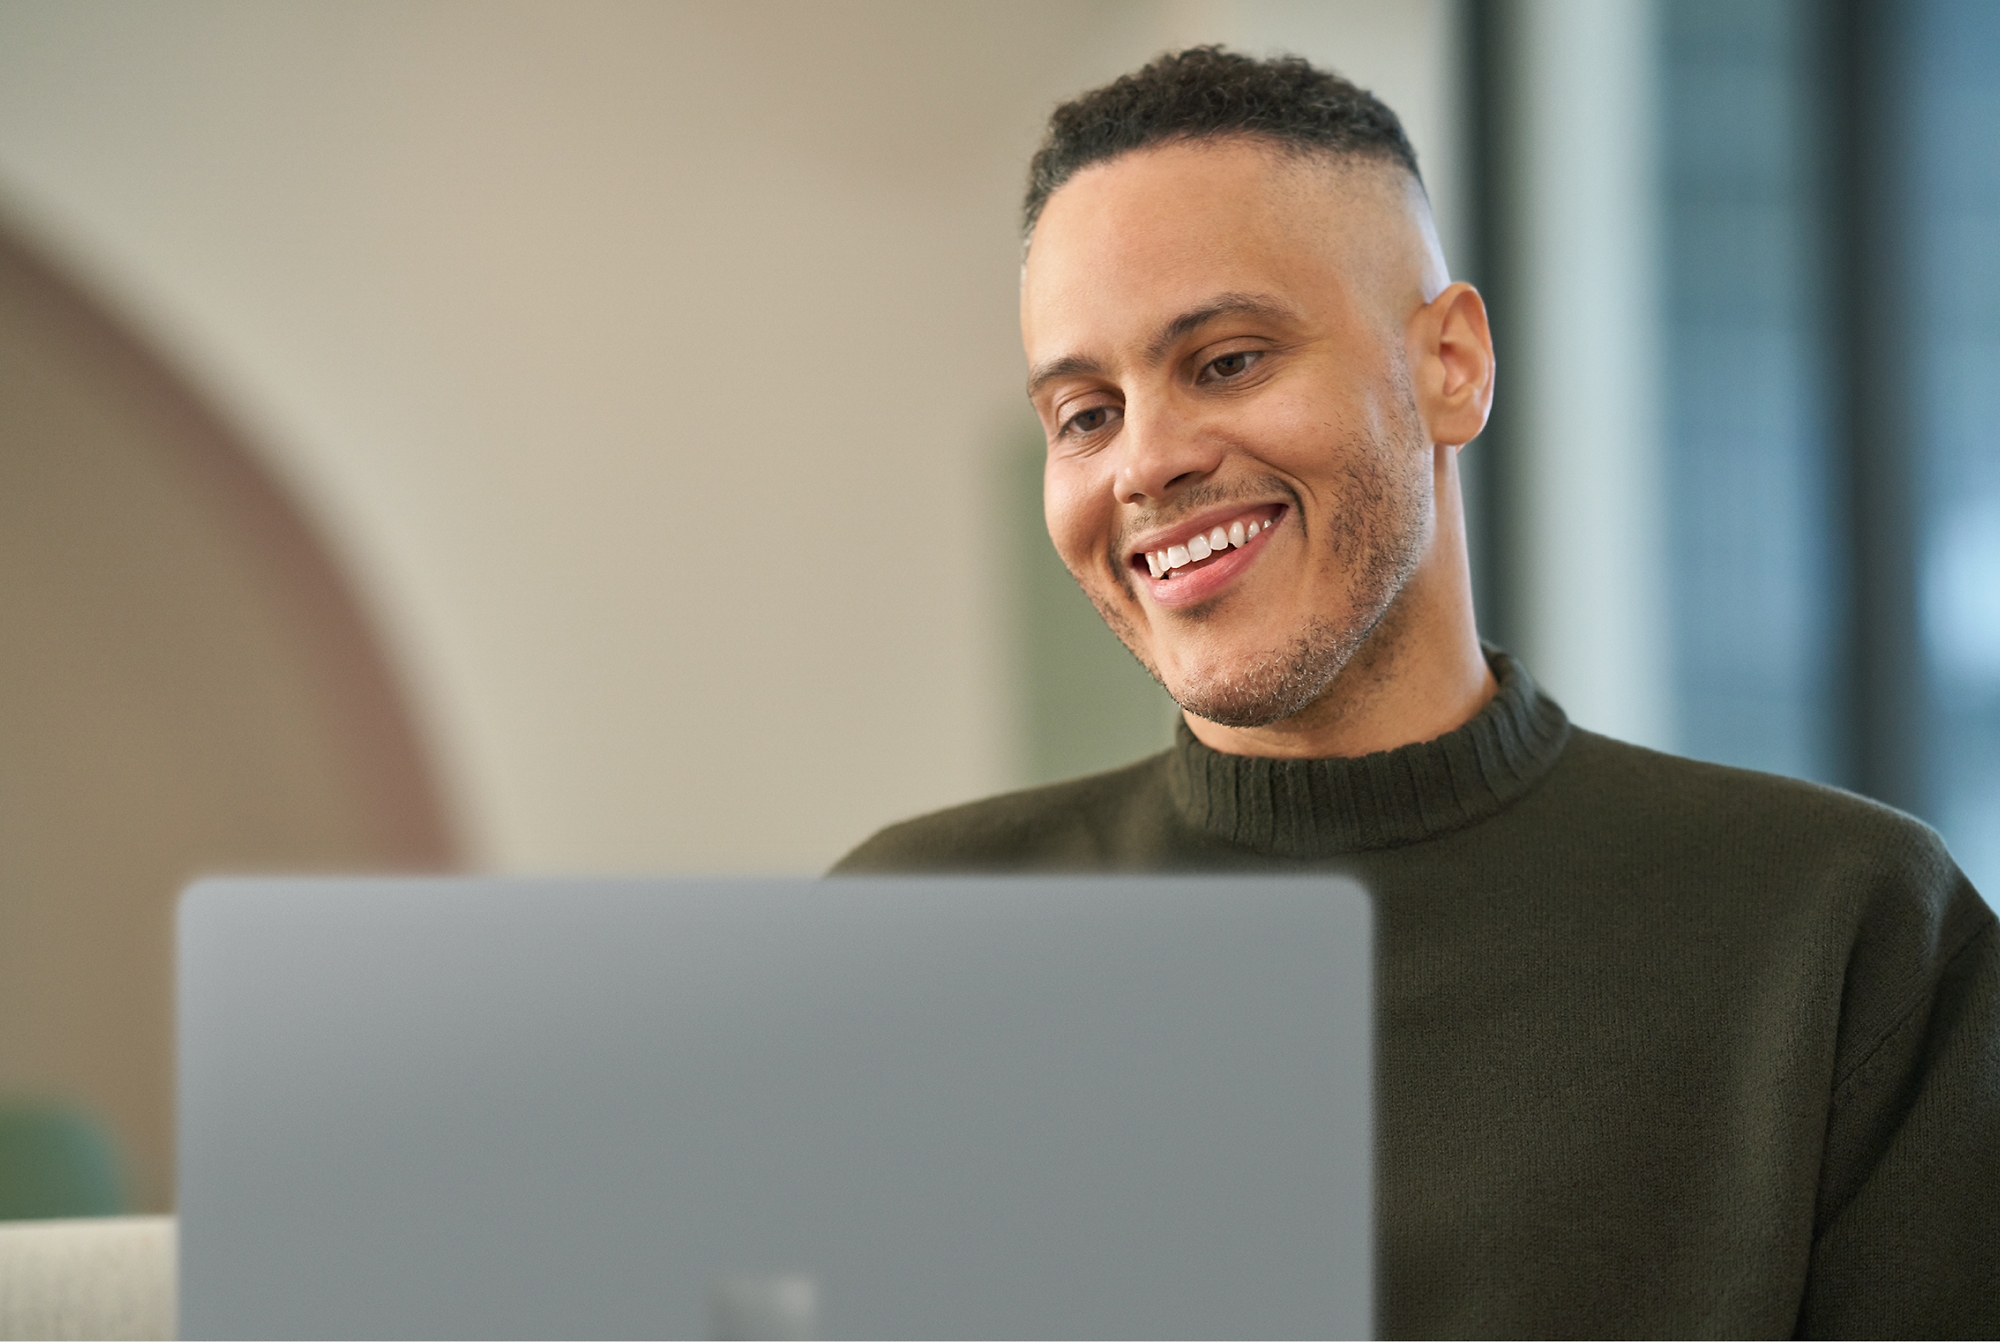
1162, 563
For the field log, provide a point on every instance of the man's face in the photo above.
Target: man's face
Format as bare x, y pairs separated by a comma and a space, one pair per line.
1216, 354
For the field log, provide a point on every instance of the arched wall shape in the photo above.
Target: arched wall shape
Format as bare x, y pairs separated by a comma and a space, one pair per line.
187, 685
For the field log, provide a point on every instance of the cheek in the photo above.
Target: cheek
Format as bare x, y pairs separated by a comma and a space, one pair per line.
1297, 432
1078, 511
1323, 443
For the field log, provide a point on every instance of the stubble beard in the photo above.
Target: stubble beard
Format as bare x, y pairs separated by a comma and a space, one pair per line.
1388, 525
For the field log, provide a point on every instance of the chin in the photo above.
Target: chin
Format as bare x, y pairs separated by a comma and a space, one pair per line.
1265, 687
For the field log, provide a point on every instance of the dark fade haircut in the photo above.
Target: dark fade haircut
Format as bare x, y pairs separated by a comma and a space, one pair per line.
1206, 93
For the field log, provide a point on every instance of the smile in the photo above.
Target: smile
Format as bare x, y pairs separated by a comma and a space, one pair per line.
1197, 547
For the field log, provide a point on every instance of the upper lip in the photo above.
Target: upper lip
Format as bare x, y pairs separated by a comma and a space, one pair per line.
1198, 525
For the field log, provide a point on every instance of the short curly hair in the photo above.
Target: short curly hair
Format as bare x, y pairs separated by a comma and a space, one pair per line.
1207, 92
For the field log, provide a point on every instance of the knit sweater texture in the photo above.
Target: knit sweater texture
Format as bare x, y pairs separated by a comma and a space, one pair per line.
1665, 1049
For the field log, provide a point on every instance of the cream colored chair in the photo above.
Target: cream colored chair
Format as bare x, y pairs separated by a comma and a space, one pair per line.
104, 1277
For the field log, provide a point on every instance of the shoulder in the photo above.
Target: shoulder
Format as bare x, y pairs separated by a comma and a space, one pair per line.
1653, 799
1830, 873
1080, 824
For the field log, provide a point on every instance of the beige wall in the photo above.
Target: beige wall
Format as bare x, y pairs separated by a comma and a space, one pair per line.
645, 363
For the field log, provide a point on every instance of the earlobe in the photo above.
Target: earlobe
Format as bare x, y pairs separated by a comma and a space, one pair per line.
1455, 356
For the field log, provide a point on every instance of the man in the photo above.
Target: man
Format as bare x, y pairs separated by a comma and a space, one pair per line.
1665, 1048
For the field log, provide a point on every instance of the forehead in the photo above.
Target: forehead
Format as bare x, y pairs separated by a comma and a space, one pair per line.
1160, 231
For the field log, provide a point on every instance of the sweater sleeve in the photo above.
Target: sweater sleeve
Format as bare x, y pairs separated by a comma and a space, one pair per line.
1907, 1240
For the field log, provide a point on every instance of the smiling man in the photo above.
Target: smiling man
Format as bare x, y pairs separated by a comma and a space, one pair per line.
1254, 379
1664, 1048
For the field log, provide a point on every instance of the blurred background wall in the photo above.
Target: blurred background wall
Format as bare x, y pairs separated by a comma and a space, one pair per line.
588, 436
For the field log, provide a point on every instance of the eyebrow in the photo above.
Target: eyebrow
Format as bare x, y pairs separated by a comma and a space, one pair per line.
1222, 305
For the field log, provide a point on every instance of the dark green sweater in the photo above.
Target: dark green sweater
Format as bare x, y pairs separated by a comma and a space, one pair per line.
1667, 1049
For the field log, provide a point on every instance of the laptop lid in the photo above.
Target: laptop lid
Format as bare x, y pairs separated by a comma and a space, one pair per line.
950, 1107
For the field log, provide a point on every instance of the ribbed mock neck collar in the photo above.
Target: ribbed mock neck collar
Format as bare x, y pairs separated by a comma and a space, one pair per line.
1324, 808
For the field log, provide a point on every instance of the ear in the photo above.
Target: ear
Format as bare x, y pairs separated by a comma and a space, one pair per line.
1450, 350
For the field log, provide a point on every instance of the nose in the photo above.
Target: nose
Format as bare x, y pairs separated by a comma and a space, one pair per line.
1160, 451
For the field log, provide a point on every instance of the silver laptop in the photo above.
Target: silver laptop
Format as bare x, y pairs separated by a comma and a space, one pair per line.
1120, 1107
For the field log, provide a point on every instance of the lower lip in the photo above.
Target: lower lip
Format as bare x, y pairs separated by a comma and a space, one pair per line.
1193, 586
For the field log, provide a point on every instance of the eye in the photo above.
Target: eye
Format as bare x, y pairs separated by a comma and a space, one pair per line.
1228, 366
1089, 421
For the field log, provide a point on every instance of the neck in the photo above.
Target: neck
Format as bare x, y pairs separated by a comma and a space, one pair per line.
1418, 675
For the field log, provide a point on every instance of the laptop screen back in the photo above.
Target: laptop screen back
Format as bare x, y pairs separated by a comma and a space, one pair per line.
887, 1108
